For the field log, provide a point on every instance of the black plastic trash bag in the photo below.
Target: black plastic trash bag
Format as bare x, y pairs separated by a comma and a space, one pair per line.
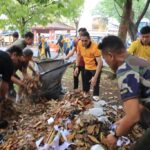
51, 72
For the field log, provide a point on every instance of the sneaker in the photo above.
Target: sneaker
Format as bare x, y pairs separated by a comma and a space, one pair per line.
95, 98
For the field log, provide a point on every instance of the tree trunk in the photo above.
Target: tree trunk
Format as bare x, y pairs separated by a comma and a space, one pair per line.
22, 30
133, 27
143, 13
123, 28
22, 27
76, 26
132, 31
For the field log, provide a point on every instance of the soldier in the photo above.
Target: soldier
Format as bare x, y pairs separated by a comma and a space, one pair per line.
133, 76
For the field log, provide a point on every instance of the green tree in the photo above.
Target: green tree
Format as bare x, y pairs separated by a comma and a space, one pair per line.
72, 11
23, 14
128, 12
107, 9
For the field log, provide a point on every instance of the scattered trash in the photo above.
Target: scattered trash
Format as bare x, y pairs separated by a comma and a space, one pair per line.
73, 123
96, 111
50, 120
97, 147
123, 141
99, 103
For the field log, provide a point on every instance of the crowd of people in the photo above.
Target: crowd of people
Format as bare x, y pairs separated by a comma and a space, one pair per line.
132, 68
133, 75
16, 57
63, 45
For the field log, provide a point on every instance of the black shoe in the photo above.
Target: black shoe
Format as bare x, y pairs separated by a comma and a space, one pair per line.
3, 124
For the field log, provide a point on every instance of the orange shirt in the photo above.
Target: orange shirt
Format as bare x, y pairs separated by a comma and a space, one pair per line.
81, 63
89, 55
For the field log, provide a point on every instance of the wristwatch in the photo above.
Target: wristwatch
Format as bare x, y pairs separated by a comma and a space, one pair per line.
114, 134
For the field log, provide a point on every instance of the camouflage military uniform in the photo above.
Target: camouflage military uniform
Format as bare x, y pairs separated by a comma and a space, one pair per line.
134, 82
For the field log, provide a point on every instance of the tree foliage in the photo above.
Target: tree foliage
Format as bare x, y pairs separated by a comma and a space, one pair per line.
113, 8
73, 10
23, 14
106, 9
128, 12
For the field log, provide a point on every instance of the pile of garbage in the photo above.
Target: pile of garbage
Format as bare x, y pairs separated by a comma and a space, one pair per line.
74, 123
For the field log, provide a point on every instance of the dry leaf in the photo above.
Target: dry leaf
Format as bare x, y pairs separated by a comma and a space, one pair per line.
97, 130
33, 121
79, 136
38, 123
70, 126
90, 129
70, 137
93, 139
79, 143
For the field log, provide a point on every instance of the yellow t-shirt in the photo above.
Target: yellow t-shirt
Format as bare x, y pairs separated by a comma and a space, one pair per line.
89, 55
139, 50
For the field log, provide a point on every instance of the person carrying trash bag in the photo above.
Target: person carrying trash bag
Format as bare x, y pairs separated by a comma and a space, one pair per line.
21, 43
7, 59
133, 75
22, 66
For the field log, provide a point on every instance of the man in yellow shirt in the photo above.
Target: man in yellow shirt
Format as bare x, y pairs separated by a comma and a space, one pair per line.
141, 47
93, 64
